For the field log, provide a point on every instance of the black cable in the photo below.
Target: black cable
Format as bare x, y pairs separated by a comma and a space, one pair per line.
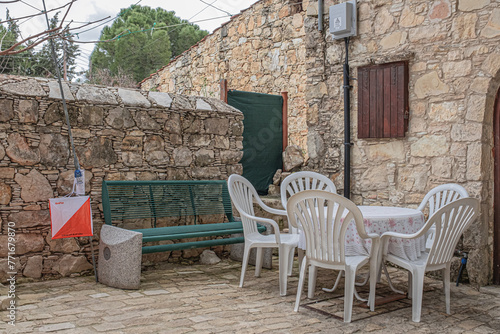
463, 263
347, 124
27, 4
201, 10
206, 3
117, 16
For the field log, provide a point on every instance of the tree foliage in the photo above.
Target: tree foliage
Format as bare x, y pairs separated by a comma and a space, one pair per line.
20, 65
66, 53
38, 63
142, 40
102, 76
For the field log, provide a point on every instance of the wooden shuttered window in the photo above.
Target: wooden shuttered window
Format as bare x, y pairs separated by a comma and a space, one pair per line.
383, 100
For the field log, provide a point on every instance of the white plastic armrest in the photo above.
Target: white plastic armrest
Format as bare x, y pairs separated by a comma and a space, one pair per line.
276, 211
269, 209
387, 235
384, 239
266, 220
375, 243
373, 236
365, 235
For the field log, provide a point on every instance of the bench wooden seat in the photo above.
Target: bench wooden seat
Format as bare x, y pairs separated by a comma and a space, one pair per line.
124, 200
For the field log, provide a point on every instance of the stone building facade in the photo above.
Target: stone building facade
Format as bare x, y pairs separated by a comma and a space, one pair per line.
261, 50
119, 134
453, 51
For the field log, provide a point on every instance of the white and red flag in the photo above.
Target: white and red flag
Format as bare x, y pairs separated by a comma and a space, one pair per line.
70, 217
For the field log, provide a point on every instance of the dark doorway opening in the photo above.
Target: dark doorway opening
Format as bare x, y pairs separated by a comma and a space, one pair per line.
265, 134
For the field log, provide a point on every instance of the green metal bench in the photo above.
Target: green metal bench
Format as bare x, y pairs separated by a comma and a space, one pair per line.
123, 200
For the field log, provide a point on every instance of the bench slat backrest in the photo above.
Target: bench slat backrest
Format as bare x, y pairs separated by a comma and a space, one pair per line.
154, 199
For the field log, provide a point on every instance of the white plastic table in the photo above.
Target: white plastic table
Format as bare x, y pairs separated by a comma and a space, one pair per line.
380, 219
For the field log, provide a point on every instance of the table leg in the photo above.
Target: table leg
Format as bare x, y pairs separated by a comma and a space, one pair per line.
389, 280
358, 297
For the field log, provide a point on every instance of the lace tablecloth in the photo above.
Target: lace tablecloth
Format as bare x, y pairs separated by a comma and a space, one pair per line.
380, 219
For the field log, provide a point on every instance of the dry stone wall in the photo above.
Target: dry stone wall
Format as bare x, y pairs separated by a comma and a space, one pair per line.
453, 51
119, 134
260, 50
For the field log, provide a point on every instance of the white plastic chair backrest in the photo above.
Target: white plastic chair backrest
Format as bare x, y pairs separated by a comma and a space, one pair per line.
450, 222
324, 222
442, 195
305, 180
242, 194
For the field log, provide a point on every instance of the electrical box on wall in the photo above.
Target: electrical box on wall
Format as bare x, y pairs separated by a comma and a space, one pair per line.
343, 19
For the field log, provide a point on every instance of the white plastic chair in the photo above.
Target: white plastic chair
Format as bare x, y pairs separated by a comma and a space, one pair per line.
438, 197
300, 181
243, 195
305, 180
450, 222
320, 215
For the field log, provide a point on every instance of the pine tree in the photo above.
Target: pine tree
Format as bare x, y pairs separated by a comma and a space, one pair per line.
38, 63
66, 53
19, 64
142, 40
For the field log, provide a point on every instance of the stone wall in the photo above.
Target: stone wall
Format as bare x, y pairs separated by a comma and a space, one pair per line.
119, 134
260, 50
453, 51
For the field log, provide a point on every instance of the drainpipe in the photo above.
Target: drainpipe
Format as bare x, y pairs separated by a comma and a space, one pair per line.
347, 124
347, 109
320, 15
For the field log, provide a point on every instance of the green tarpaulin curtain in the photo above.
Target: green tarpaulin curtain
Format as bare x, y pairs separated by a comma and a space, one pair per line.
262, 136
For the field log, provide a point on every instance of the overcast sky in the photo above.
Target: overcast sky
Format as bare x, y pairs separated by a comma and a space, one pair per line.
200, 12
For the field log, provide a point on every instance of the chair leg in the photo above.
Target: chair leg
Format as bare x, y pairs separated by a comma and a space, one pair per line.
417, 289
349, 293
283, 268
389, 281
446, 285
373, 285
410, 284
290, 261
311, 284
244, 264
300, 287
300, 256
258, 261
380, 269
335, 285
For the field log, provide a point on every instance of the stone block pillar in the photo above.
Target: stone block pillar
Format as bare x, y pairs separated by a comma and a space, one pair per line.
237, 251
120, 255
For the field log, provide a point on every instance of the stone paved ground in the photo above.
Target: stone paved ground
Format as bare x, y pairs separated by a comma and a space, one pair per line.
207, 299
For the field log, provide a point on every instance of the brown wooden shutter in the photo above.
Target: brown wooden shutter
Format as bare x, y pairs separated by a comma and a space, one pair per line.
383, 100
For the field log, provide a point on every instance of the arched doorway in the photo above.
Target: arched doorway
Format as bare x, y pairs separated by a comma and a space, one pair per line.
496, 222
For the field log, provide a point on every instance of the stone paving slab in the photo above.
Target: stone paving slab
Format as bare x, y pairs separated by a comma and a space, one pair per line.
207, 299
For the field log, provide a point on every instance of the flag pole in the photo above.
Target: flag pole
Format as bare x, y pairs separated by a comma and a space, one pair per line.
65, 108
93, 258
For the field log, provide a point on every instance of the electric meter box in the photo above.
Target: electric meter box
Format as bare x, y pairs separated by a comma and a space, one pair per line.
343, 19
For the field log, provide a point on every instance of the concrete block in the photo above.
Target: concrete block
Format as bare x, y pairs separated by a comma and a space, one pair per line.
120, 255
267, 254
209, 257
